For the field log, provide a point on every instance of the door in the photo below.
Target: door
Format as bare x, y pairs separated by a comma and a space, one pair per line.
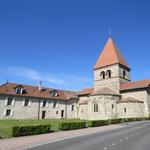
43, 114
62, 113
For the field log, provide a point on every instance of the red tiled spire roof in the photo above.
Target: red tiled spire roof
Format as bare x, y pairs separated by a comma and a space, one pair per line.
110, 55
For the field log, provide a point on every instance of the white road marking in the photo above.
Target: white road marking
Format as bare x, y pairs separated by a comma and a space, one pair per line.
126, 137
113, 144
105, 148
121, 140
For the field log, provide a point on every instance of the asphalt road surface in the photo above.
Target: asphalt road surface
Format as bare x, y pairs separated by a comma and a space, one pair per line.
134, 136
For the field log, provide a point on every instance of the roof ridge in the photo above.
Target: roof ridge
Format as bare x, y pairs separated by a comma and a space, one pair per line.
34, 86
146, 80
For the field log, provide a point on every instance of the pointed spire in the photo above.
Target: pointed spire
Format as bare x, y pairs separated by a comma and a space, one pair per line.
109, 56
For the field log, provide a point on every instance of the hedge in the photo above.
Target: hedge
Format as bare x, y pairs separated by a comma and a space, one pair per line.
30, 130
39, 129
72, 125
96, 123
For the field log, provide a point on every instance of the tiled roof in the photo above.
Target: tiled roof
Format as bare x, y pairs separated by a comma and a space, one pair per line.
130, 100
105, 91
135, 85
33, 91
86, 91
109, 56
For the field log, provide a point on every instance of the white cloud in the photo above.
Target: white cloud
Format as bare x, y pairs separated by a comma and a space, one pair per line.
32, 74
24, 72
65, 81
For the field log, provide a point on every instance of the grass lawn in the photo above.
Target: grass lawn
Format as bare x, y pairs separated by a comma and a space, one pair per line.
6, 125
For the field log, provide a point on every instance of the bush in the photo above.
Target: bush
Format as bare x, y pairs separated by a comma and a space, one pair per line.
115, 121
72, 125
96, 123
30, 130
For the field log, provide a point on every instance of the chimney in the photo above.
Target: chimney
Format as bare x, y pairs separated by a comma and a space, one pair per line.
40, 86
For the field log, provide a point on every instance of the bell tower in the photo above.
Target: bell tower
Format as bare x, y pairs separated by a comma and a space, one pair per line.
110, 69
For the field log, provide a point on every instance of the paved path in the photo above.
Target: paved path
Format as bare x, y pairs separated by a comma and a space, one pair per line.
37, 140
134, 136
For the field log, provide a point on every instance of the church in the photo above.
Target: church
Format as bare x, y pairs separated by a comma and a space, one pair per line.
114, 95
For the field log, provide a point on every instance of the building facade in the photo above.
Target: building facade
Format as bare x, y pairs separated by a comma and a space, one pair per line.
113, 95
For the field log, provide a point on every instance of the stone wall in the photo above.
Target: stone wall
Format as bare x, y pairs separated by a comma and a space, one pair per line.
113, 82
140, 95
83, 107
54, 112
19, 111
107, 107
70, 113
129, 110
34, 111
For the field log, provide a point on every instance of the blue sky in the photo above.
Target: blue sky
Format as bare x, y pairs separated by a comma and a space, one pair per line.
59, 42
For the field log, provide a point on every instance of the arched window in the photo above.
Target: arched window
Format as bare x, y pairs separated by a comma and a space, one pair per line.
102, 74
95, 107
108, 73
124, 74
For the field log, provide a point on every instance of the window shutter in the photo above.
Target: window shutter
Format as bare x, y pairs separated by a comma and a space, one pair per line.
4, 112
47, 103
52, 104
6, 101
41, 104
12, 112
30, 102
13, 102
57, 105
23, 102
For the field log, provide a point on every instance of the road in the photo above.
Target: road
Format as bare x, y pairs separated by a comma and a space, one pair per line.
134, 136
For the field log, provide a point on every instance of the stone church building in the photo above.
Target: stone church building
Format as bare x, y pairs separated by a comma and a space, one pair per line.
113, 95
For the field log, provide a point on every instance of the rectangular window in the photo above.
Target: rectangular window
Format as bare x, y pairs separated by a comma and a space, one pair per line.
8, 111
125, 110
95, 107
112, 106
44, 103
55, 104
26, 102
19, 90
9, 101
72, 107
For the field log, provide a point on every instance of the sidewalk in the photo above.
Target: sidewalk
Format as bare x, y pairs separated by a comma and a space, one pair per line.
20, 143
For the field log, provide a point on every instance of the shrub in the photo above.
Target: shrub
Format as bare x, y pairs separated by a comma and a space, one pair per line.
96, 123
72, 125
30, 130
115, 121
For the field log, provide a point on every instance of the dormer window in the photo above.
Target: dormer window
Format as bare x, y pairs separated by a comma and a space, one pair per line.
54, 93
102, 74
19, 90
108, 73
